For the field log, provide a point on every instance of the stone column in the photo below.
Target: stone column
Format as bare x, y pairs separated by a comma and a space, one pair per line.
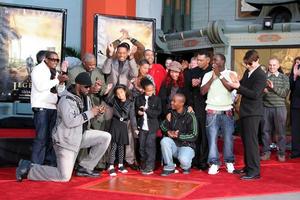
177, 16
167, 16
187, 15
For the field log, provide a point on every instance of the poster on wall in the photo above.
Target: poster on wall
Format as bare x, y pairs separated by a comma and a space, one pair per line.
285, 55
134, 31
26, 30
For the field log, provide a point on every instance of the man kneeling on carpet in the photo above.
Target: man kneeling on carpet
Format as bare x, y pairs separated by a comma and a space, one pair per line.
180, 128
69, 135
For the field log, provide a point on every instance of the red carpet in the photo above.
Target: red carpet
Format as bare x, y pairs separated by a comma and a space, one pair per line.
276, 178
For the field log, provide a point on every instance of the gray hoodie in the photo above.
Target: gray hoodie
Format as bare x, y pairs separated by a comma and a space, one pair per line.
68, 129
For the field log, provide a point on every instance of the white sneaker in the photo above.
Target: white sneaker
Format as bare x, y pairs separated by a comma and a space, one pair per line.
214, 169
230, 167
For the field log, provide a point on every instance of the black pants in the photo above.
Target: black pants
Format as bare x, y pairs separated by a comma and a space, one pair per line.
249, 133
295, 122
147, 148
201, 153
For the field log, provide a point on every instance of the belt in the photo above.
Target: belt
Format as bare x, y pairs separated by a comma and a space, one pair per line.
121, 119
37, 109
216, 112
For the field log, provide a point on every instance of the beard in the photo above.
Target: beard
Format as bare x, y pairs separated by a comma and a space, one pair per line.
84, 94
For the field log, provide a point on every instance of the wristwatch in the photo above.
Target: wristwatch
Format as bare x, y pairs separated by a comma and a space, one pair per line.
221, 76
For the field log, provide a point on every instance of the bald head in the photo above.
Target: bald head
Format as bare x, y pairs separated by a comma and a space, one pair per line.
180, 97
273, 66
178, 102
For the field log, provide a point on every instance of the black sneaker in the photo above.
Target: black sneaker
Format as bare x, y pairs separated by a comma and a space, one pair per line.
147, 172
123, 170
167, 172
133, 166
81, 171
186, 171
112, 172
203, 166
22, 169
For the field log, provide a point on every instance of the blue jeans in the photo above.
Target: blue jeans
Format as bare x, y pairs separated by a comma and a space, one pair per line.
42, 149
215, 123
169, 149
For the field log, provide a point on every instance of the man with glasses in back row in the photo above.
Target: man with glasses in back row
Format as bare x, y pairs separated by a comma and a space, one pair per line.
46, 81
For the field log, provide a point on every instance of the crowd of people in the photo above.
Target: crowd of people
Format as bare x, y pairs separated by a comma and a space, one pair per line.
142, 113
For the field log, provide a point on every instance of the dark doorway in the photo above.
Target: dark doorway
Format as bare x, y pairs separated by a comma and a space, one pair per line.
281, 14
179, 56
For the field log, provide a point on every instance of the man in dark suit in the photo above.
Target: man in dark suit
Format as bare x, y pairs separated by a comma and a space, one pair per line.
197, 101
251, 111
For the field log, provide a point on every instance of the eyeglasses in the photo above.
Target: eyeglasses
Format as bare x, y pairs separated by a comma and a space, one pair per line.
53, 59
247, 64
87, 86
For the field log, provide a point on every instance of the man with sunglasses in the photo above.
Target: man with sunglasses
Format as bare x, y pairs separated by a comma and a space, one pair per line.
251, 88
45, 84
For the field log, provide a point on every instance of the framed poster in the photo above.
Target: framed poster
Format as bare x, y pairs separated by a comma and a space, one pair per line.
245, 10
109, 29
25, 30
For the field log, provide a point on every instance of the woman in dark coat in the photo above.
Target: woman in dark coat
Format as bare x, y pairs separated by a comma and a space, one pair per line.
295, 107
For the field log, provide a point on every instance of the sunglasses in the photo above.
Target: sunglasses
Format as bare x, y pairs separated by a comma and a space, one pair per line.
87, 86
53, 59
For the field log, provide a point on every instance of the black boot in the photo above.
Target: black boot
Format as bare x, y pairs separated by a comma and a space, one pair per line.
81, 171
22, 169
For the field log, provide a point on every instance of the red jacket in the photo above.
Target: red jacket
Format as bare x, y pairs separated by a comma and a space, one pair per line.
158, 73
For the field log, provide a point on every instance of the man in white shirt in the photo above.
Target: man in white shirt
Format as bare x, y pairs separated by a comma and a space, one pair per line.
45, 84
219, 113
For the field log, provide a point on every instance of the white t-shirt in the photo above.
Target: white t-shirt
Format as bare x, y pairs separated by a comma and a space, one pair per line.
218, 97
145, 124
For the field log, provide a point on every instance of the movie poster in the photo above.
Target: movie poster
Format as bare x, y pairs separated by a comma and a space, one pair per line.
110, 28
25, 31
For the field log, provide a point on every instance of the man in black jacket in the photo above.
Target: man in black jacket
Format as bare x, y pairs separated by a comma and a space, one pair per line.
295, 107
180, 128
196, 100
251, 88
148, 108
